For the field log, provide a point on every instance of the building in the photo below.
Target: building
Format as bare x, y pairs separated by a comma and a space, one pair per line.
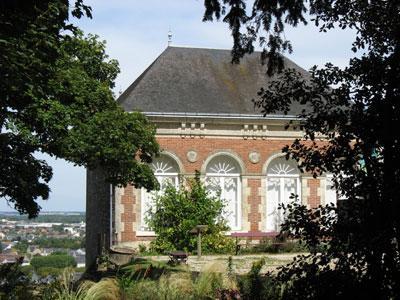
206, 121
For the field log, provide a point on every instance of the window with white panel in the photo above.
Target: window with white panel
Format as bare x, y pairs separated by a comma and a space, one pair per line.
330, 191
166, 170
223, 178
283, 180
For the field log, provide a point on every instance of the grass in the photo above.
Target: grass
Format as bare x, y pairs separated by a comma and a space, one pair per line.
144, 278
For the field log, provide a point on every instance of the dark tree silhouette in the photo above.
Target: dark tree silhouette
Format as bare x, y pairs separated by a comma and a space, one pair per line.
351, 131
55, 93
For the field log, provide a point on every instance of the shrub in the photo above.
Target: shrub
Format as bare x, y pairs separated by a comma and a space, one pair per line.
178, 211
14, 282
210, 284
276, 246
45, 271
53, 261
255, 286
27, 270
66, 243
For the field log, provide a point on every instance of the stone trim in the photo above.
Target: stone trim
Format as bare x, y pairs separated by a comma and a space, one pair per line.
222, 152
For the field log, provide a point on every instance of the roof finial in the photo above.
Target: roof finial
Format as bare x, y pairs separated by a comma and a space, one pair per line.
169, 37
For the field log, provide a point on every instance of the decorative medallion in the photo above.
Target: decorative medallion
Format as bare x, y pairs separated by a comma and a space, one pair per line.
191, 156
254, 157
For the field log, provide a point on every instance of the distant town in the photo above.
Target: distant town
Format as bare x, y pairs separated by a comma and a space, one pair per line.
46, 244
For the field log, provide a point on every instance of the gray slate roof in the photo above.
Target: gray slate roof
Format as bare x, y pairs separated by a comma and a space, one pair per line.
193, 80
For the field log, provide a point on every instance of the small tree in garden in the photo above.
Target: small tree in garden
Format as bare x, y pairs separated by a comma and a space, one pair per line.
179, 210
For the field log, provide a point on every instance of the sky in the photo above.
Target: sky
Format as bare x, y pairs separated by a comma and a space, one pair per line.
136, 32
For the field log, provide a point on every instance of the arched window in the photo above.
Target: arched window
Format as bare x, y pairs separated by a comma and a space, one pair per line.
223, 177
166, 171
282, 180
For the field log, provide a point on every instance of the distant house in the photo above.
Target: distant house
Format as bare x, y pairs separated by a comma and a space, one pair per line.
33, 250
10, 258
206, 121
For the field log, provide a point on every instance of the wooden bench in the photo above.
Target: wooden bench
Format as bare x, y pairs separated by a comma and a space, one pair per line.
176, 257
256, 234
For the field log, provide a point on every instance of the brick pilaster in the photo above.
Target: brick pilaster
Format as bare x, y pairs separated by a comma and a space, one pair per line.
128, 217
254, 200
314, 198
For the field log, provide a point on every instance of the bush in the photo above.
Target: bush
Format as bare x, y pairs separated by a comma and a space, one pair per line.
66, 243
255, 286
14, 282
276, 246
53, 261
27, 270
178, 211
45, 271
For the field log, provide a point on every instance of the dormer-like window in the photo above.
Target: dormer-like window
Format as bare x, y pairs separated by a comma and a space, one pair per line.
223, 178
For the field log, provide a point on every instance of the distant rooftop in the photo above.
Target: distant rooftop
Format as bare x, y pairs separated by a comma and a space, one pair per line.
194, 80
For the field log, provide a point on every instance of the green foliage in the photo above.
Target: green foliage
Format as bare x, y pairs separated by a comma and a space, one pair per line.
59, 261
275, 246
147, 282
27, 270
46, 271
146, 269
56, 93
178, 211
14, 282
256, 286
65, 289
58, 228
217, 243
142, 248
21, 246
66, 218
65, 243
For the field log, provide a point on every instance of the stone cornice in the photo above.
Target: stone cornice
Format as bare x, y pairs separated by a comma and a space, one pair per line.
223, 125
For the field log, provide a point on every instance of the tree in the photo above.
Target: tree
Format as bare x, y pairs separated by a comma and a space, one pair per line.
178, 211
56, 98
356, 109
54, 261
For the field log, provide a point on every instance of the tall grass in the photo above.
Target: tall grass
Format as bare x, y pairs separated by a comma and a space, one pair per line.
181, 285
213, 282
66, 289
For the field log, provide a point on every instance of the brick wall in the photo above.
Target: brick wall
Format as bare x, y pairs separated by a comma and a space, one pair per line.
128, 216
205, 148
314, 198
208, 146
254, 202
